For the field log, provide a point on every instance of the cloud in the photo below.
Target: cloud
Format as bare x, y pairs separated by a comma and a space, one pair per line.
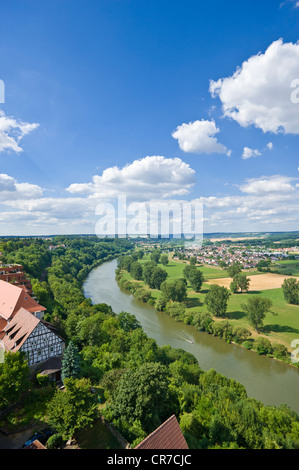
268, 185
266, 203
199, 137
248, 153
10, 189
144, 179
12, 132
259, 92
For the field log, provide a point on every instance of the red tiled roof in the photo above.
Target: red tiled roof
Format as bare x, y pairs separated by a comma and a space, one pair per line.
35, 445
166, 436
18, 329
12, 298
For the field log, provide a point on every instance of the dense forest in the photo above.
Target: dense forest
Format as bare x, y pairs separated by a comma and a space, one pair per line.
141, 384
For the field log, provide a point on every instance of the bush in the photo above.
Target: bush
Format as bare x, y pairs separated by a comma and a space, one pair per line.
54, 442
263, 346
42, 380
280, 351
247, 345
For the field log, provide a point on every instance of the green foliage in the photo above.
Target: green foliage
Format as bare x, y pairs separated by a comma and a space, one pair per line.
54, 442
176, 310
143, 383
240, 282
263, 346
136, 270
290, 289
70, 362
175, 290
14, 378
217, 299
155, 256
42, 380
234, 269
73, 408
279, 351
143, 395
194, 276
256, 309
164, 259
128, 322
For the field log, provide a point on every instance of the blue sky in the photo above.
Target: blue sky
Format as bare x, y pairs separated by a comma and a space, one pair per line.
95, 91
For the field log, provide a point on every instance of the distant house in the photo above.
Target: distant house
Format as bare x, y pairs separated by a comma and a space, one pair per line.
166, 436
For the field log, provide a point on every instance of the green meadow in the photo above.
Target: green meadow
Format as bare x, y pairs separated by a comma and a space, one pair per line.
286, 267
281, 326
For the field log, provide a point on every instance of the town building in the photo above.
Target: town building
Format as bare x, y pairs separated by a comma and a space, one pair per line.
22, 328
166, 436
14, 274
29, 334
12, 298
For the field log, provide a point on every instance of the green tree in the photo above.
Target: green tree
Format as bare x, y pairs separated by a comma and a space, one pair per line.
155, 256
290, 289
70, 362
148, 268
234, 269
176, 310
73, 408
217, 300
234, 287
164, 259
143, 394
14, 378
175, 290
158, 276
136, 270
256, 309
263, 346
128, 322
194, 276
240, 281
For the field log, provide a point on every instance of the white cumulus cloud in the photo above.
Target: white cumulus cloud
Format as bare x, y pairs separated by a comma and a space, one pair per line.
248, 153
199, 137
268, 185
12, 132
144, 179
259, 92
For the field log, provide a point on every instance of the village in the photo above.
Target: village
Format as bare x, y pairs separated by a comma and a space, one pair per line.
227, 254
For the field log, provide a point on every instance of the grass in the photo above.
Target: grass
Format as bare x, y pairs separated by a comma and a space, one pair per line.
31, 412
282, 327
97, 437
286, 267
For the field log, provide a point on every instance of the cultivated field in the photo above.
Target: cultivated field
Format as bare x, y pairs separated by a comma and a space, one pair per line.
257, 283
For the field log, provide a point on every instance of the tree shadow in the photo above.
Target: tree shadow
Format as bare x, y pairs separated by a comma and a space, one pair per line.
274, 328
204, 291
192, 302
236, 315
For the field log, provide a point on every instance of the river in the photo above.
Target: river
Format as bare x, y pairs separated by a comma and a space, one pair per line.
265, 379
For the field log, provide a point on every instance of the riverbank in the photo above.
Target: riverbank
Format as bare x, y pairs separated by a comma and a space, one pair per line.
274, 340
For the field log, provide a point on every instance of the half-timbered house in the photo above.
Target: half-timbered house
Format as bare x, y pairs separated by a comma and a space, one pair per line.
31, 335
